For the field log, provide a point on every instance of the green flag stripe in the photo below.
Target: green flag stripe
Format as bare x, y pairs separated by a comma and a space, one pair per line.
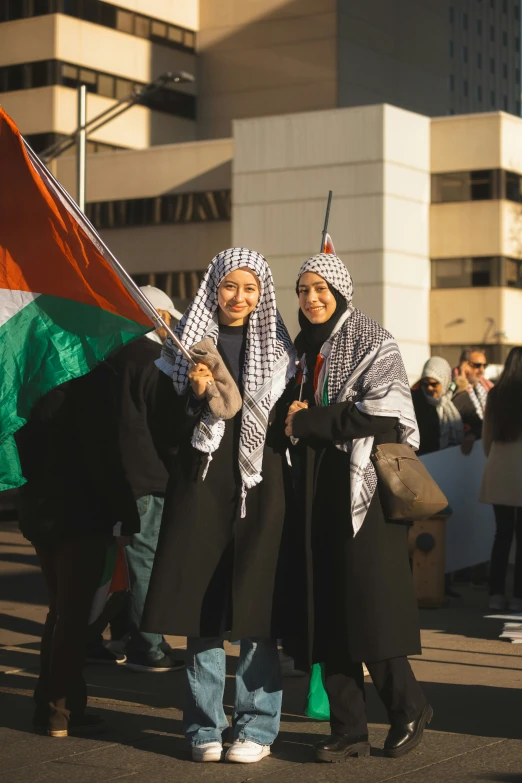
49, 341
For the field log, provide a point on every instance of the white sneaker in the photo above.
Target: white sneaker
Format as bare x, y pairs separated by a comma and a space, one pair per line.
246, 752
497, 602
515, 605
209, 751
288, 666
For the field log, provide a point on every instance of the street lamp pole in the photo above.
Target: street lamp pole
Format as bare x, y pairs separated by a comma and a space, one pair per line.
81, 146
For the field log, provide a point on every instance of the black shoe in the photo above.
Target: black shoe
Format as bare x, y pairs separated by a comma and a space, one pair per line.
339, 747
404, 737
164, 664
75, 726
101, 654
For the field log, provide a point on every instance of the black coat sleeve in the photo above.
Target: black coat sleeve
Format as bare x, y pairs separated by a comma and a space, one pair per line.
171, 418
320, 426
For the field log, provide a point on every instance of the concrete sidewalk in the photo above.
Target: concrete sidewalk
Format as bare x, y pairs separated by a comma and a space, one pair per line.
472, 680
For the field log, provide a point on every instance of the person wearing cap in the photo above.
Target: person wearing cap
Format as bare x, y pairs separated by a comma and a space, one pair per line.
135, 377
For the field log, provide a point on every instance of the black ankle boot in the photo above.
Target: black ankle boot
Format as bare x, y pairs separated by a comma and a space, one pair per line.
339, 747
403, 737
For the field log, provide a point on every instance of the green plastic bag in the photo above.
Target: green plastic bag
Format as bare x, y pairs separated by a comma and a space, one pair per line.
317, 704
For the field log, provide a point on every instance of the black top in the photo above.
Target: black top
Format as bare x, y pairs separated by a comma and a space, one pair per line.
232, 346
470, 418
135, 381
428, 421
70, 457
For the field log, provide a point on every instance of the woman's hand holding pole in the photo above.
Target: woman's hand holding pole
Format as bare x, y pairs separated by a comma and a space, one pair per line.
200, 379
297, 405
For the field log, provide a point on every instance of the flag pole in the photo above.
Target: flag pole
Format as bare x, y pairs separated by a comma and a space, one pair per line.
132, 287
326, 219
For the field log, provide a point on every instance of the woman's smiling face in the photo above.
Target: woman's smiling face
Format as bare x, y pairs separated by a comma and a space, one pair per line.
315, 298
238, 295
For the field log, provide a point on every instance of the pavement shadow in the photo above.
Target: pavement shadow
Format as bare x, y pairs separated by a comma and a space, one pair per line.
10, 622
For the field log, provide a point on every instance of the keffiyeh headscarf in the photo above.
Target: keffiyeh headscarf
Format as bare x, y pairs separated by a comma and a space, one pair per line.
362, 364
269, 360
451, 428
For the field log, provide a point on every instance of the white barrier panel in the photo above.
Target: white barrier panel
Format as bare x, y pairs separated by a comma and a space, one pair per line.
470, 530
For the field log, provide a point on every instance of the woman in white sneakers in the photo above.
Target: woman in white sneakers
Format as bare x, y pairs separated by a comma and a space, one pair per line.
219, 565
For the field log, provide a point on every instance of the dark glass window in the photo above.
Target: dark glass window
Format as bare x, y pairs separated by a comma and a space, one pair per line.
158, 29
451, 14
516, 13
517, 45
465, 54
512, 186
476, 272
91, 11
451, 82
491, 33
479, 92
479, 60
492, 65
464, 21
504, 38
106, 85
517, 76
465, 186
124, 21
175, 34
479, 26
142, 26
505, 70
465, 88
505, 103
69, 75
123, 88
504, 6
492, 97
40, 76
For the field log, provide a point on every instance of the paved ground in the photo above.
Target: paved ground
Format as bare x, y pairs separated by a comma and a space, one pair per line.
472, 680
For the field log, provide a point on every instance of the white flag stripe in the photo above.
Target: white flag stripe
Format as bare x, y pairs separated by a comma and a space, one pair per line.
11, 302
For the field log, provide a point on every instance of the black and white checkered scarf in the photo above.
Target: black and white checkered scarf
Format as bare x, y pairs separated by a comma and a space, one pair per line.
269, 360
362, 364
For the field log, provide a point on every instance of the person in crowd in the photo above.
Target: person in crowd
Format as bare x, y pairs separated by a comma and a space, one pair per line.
472, 389
356, 394
440, 423
502, 485
218, 563
135, 380
75, 494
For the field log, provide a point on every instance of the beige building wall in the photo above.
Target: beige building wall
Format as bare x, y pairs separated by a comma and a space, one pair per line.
46, 109
184, 13
376, 160
264, 57
476, 228
174, 168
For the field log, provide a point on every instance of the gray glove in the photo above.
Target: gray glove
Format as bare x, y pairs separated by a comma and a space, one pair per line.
223, 395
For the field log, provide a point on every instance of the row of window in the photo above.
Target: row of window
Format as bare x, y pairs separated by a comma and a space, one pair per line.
210, 205
504, 105
182, 287
451, 46
41, 141
464, 17
476, 272
476, 186
492, 65
105, 14
45, 73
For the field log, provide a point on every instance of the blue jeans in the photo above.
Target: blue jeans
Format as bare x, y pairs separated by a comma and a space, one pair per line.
257, 708
140, 557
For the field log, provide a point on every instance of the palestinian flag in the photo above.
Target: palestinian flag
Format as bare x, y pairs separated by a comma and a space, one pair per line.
115, 579
64, 304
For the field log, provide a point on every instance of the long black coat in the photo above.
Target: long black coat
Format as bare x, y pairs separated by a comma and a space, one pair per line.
215, 572
362, 600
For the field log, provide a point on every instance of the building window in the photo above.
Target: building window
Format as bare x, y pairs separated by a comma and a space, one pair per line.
451, 14
505, 70
479, 92
512, 273
477, 272
517, 45
479, 26
465, 88
504, 6
492, 65
102, 13
517, 76
465, 54
504, 38
505, 103
491, 33
492, 98
464, 21
46, 73
450, 48
516, 13
466, 186
512, 187
201, 207
479, 60
451, 82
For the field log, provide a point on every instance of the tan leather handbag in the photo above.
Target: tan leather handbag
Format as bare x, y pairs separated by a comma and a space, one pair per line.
406, 489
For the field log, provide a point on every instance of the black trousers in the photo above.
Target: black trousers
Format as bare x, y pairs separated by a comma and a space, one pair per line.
508, 521
394, 681
72, 570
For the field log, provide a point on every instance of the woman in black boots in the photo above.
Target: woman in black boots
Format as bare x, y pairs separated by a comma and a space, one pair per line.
356, 393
